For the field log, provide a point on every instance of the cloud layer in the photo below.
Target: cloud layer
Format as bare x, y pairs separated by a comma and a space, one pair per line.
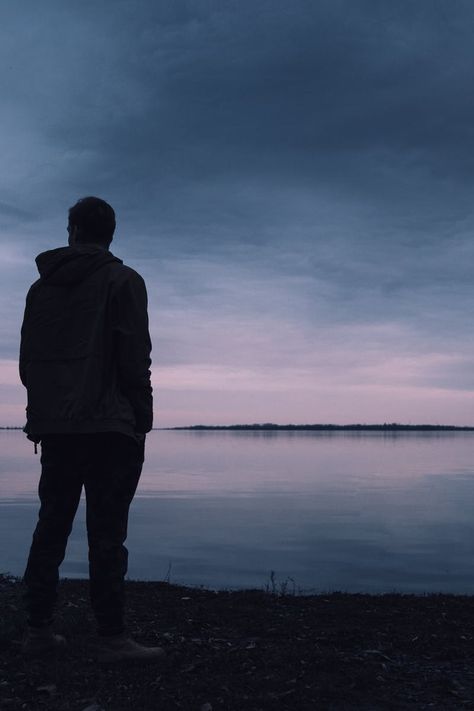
293, 181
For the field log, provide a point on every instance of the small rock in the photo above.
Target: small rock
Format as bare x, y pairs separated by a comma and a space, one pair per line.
206, 707
49, 689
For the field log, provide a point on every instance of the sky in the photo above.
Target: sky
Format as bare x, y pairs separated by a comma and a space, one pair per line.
294, 181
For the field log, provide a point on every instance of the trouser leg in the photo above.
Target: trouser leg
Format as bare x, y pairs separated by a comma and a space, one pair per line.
59, 492
110, 486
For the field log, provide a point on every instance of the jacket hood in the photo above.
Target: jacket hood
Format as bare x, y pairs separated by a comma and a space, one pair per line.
71, 265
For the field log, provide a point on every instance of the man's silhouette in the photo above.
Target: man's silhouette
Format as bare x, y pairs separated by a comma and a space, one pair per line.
84, 360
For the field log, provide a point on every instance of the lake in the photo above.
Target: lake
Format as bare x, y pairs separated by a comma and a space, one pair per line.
350, 511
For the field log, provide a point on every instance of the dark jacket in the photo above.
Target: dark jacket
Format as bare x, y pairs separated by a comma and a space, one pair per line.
85, 346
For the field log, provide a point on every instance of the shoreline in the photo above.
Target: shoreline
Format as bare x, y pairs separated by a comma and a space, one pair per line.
252, 650
269, 426
320, 428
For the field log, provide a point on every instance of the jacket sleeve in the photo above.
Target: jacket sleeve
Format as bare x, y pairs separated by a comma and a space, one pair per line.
133, 347
24, 356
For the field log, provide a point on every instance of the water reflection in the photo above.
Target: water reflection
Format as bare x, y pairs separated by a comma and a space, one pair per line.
340, 511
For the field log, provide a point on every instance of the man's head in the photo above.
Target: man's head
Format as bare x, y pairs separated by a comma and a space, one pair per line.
91, 221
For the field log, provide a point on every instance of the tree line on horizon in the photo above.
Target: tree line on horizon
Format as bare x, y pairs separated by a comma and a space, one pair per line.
391, 426
386, 426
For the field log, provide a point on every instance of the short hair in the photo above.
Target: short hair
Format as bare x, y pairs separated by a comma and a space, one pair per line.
94, 219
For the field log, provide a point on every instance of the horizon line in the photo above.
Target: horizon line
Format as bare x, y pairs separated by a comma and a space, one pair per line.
273, 425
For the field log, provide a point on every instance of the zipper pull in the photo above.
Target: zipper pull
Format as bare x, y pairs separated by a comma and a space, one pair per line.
36, 448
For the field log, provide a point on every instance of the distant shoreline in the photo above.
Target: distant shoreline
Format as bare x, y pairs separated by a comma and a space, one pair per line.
269, 426
392, 427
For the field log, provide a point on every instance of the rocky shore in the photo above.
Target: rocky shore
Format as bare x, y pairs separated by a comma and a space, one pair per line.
249, 651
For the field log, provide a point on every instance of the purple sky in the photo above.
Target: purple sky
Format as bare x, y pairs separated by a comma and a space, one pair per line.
293, 180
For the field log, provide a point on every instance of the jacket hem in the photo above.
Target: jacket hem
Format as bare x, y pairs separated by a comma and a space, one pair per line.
35, 431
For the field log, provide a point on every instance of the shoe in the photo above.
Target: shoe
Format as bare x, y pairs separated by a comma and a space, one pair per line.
120, 648
41, 640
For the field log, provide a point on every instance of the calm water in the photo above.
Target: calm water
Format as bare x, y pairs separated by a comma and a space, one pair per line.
367, 512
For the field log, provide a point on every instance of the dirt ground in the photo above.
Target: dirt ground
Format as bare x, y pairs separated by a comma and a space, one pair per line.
248, 651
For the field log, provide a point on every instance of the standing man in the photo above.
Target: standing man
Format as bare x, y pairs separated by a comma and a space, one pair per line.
84, 360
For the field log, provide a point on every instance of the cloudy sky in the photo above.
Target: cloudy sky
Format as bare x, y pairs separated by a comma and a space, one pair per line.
294, 180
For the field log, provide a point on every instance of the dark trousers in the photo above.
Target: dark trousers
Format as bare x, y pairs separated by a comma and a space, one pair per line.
108, 465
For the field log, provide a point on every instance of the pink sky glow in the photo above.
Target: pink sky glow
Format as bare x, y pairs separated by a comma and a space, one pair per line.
206, 395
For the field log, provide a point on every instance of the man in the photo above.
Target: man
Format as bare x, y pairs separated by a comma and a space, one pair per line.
84, 360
